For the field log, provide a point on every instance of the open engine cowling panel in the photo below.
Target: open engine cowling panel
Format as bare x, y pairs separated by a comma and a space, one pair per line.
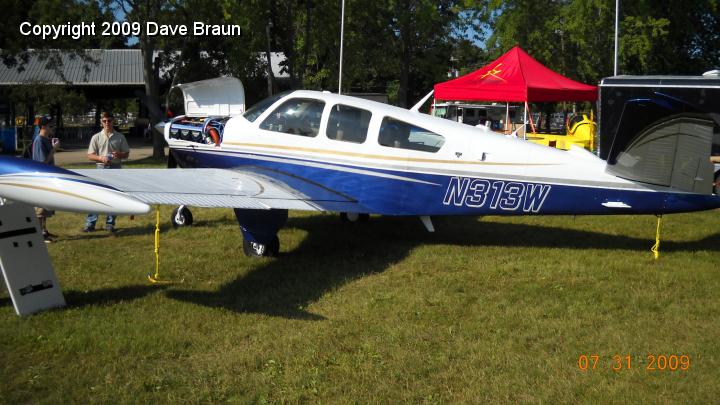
208, 105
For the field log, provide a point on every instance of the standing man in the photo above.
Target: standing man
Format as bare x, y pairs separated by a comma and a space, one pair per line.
43, 151
107, 149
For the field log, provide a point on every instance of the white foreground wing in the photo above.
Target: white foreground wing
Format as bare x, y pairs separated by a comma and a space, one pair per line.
219, 188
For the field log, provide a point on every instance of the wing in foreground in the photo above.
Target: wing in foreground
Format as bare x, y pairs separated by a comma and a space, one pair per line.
223, 188
52, 187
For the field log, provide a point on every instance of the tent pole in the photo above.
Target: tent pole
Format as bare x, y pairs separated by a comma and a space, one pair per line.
507, 118
529, 113
525, 121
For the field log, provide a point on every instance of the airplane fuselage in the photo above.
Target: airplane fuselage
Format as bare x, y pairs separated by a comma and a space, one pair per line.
447, 169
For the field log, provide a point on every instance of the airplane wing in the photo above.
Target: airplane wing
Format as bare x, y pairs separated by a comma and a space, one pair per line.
246, 188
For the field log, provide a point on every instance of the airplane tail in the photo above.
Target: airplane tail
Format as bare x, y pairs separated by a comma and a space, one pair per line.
666, 142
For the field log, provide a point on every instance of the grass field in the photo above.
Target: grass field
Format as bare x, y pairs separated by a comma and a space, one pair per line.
493, 309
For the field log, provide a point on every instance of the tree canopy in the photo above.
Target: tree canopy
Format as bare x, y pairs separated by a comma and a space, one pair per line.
576, 38
398, 47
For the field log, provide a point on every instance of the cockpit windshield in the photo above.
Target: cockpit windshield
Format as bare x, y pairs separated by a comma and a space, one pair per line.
255, 111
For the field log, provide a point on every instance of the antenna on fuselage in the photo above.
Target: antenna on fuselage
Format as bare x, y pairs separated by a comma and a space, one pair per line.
416, 107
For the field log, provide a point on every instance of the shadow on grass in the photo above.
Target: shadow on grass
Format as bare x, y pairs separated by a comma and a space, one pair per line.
334, 254
98, 234
119, 232
456, 231
329, 257
128, 228
103, 297
109, 296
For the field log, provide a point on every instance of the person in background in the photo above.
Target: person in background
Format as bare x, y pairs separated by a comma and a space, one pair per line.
43, 151
107, 149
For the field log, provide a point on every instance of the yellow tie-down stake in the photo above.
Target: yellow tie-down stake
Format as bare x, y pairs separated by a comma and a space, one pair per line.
155, 279
656, 247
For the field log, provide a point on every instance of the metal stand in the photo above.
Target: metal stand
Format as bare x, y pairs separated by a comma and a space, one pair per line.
25, 261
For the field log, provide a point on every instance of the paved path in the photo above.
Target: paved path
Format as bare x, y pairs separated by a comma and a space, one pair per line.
79, 156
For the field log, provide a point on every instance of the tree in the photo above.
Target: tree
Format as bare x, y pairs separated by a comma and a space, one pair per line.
141, 11
576, 38
399, 46
15, 48
48, 98
665, 37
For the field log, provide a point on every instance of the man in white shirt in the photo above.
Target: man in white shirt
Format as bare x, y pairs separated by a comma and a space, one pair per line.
107, 149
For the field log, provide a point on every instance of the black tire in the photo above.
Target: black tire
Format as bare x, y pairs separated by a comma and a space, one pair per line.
254, 249
184, 219
353, 217
716, 187
171, 163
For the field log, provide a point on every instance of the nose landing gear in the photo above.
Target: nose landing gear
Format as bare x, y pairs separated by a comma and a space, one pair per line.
181, 216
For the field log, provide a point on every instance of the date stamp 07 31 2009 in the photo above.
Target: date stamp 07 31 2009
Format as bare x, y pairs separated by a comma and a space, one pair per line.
650, 362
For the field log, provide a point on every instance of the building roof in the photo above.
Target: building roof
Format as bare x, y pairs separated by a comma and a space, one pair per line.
115, 67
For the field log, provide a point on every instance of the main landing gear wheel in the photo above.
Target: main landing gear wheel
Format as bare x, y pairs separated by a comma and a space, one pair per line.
255, 249
181, 216
354, 217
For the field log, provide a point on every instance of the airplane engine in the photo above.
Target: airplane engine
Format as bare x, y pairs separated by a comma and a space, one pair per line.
199, 130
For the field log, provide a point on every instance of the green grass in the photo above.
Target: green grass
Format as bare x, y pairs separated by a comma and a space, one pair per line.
494, 309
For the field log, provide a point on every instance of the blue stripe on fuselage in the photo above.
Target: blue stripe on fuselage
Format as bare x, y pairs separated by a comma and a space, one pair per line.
442, 194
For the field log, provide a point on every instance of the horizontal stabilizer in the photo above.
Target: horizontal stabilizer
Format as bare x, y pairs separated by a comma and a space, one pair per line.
673, 152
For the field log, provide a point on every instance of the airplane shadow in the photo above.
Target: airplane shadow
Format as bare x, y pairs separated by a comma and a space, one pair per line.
108, 296
131, 229
334, 254
99, 234
102, 297
538, 236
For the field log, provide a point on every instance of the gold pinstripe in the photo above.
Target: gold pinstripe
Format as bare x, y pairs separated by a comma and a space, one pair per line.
381, 157
53, 191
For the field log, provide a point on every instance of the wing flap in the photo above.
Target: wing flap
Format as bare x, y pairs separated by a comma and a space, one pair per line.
228, 201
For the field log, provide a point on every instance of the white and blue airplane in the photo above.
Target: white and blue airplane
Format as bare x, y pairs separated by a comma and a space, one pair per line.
318, 151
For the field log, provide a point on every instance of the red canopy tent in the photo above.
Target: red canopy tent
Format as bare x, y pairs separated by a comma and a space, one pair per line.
515, 77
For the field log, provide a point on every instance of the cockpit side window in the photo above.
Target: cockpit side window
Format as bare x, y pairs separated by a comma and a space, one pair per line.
256, 110
297, 116
398, 134
348, 124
